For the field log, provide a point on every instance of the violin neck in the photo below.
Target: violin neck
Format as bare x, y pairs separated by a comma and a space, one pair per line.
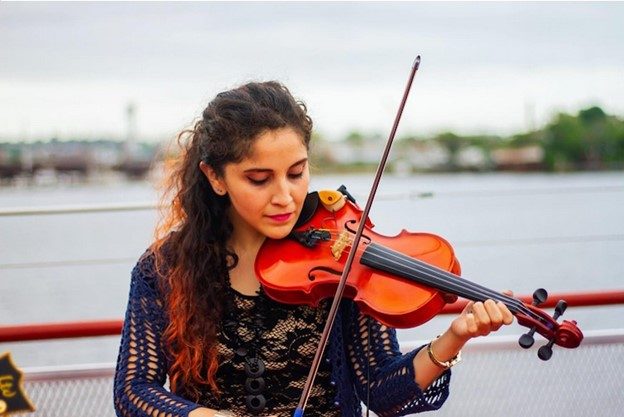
388, 260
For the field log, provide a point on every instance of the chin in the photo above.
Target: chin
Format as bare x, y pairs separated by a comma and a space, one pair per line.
279, 232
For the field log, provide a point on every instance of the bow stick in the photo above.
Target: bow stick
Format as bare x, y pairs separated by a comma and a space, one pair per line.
356, 240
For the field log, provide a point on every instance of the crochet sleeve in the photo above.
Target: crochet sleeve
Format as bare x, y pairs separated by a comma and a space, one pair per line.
141, 365
393, 389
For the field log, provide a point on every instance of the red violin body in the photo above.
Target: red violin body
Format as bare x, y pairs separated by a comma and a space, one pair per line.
292, 273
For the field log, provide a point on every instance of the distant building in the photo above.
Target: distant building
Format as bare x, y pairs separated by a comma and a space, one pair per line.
527, 158
425, 155
472, 157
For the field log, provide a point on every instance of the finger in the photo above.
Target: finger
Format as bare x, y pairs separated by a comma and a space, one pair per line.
468, 308
493, 311
482, 318
471, 324
507, 315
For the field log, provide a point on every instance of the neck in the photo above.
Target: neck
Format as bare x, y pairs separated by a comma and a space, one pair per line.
245, 244
245, 240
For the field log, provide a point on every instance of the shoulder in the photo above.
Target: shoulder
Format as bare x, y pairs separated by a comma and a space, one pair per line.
146, 266
145, 279
152, 266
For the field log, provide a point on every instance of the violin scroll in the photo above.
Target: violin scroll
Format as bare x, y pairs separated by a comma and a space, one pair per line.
565, 334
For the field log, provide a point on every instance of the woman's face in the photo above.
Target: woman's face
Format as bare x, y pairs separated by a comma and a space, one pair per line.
267, 189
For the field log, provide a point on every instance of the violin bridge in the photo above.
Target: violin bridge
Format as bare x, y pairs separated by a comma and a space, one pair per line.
341, 243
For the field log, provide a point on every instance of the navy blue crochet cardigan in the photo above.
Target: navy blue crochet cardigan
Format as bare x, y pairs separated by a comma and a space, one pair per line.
142, 365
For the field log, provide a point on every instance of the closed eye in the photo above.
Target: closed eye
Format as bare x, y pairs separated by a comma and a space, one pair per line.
258, 181
301, 165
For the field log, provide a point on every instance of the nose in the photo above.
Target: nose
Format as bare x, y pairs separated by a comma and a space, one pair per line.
281, 194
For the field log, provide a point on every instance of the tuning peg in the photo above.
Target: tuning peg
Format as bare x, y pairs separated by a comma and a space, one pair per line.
560, 308
545, 352
540, 295
527, 340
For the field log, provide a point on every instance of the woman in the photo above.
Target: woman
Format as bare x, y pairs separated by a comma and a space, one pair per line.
197, 312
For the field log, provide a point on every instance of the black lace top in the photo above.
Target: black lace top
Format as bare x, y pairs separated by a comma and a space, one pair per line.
363, 354
284, 338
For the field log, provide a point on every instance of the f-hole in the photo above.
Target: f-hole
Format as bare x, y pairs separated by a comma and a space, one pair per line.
332, 271
348, 225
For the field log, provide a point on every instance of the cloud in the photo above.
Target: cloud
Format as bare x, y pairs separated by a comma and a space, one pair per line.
481, 62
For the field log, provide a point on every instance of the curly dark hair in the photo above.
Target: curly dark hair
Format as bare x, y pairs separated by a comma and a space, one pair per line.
190, 247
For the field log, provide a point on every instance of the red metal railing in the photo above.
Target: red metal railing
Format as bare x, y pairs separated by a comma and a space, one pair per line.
46, 331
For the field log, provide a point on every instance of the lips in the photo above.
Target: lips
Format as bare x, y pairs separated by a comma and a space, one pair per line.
280, 218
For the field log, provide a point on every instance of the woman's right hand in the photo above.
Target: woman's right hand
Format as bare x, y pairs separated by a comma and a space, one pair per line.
206, 412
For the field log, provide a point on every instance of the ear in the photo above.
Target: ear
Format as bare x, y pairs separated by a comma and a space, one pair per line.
216, 182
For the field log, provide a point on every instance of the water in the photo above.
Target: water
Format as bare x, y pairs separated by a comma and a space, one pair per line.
510, 231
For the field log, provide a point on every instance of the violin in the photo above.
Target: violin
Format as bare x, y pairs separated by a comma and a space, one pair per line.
399, 280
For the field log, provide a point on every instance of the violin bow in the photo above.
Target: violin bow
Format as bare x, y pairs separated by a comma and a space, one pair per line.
356, 241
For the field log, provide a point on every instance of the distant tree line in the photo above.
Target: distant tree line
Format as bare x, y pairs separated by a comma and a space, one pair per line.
589, 140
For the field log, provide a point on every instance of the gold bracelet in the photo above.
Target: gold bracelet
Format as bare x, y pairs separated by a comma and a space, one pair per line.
223, 413
443, 365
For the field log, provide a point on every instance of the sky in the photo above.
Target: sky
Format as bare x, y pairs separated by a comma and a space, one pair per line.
69, 70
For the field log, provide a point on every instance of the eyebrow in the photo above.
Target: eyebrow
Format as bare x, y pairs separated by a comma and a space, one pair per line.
254, 170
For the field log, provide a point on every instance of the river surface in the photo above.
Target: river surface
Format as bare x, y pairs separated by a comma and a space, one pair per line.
563, 232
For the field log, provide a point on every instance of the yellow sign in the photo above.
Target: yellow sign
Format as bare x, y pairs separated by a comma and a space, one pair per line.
13, 399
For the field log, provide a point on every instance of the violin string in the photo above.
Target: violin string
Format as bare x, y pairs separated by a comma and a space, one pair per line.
475, 290
447, 277
436, 279
363, 249
492, 293
470, 289
440, 277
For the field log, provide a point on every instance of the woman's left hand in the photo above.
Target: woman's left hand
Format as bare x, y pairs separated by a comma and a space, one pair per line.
481, 318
